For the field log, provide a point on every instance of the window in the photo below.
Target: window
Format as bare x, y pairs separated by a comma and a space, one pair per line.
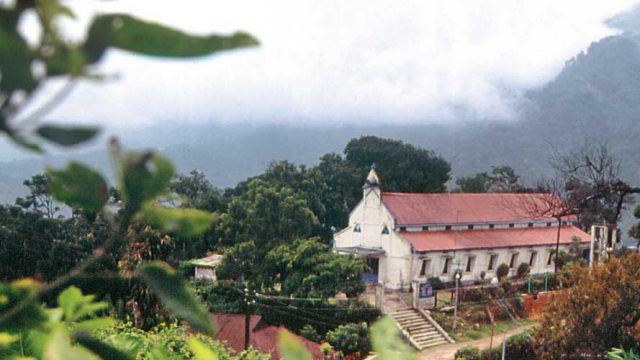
448, 227
491, 226
356, 228
532, 259
470, 227
426, 264
493, 259
514, 260
447, 262
425, 228
511, 226
530, 225
550, 258
385, 230
471, 261
548, 224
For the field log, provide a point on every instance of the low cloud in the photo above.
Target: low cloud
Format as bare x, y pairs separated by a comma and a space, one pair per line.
338, 62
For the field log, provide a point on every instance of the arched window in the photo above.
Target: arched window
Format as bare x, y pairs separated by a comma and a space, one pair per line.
356, 228
385, 230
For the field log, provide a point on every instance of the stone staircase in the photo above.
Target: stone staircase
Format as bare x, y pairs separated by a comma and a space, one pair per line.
418, 327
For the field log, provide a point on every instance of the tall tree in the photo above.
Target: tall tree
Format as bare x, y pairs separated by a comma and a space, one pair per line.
401, 166
197, 192
39, 199
500, 179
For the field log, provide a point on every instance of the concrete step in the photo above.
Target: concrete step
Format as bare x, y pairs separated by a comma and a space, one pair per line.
432, 344
422, 328
421, 338
422, 333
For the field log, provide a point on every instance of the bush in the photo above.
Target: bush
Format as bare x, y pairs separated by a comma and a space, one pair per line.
350, 339
468, 353
436, 283
220, 296
171, 338
523, 270
503, 271
519, 347
507, 286
310, 333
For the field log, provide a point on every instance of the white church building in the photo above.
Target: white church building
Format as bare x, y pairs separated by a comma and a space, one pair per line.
412, 236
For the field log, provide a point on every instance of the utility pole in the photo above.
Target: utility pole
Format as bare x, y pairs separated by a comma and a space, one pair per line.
248, 301
455, 308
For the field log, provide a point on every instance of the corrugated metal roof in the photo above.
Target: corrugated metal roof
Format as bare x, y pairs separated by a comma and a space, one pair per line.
497, 238
209, 261
264, 338
452, 208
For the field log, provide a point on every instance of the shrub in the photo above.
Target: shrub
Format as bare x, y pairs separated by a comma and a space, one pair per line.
523, 270
468, 353
310, 333
170, 338
350, 339
503, 271
518, 347
507, 286
436, 283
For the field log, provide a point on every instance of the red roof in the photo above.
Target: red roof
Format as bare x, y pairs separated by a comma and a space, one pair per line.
452, 208
497, 238
265, 338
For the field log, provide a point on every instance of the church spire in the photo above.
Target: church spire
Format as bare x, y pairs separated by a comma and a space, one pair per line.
372, 181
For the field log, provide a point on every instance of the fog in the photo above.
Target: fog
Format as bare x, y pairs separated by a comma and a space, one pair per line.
338, 62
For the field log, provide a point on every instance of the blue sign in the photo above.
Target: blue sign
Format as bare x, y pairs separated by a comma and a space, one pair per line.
425, 291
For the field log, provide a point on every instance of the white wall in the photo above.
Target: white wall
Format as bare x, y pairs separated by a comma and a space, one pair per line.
459, 260
372, 216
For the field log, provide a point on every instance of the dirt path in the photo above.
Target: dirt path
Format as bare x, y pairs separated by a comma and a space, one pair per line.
446, 352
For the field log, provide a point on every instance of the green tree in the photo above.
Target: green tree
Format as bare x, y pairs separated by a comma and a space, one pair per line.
350, 339
197, 192
502, 271
402, 167
308, 268
500, 179
39, 198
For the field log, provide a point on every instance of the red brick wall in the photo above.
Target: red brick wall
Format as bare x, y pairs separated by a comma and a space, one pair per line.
535, 307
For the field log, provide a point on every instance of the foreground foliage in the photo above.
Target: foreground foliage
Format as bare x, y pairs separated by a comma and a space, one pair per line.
603, 303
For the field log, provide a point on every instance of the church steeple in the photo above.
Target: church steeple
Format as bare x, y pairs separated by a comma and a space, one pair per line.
372, 181
372, 186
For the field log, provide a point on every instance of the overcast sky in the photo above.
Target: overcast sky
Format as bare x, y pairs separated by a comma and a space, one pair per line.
343, 61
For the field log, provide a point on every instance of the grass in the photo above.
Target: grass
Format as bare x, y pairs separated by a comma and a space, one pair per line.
471, 324
469, 333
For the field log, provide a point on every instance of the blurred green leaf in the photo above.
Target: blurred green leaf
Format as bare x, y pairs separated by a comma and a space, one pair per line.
175, 293
144, 176
7, 339
291, 348
76, 306
19, 305
15, 63
59, 347
67, 136
184, 222
387, 341
105, 351
201, 351
129, 33
79, 187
